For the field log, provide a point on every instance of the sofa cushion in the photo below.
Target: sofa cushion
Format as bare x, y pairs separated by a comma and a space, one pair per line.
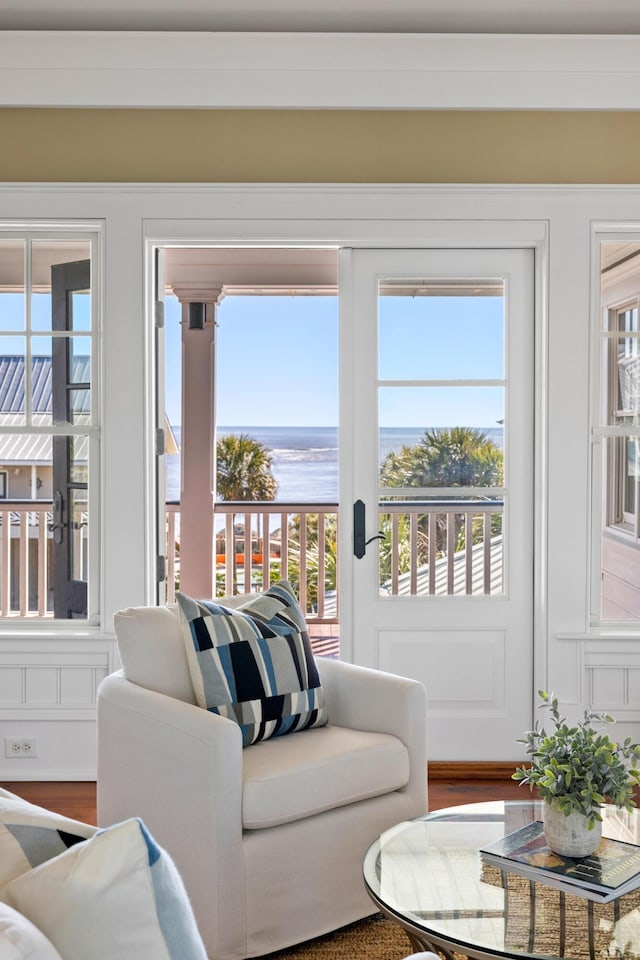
114, 897
20, 940
318, 770
254, 664
29, 835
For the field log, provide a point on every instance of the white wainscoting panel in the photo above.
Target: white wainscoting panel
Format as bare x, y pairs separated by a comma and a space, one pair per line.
48, 692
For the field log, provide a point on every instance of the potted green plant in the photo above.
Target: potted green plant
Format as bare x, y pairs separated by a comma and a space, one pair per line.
575, 769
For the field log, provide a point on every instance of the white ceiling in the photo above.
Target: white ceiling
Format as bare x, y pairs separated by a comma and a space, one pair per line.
363, 16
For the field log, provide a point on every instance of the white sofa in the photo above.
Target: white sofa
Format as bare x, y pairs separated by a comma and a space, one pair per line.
268, 839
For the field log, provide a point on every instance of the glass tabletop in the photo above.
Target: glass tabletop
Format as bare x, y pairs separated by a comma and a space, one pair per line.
428, 874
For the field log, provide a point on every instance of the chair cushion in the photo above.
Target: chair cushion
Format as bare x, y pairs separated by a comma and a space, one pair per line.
318, 770
254, 664
20, 940
113, 897
29, 835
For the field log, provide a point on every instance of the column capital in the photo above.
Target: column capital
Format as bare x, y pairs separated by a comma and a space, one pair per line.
200, 293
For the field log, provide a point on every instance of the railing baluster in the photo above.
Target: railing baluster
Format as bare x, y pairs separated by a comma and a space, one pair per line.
6, 563
395, 554
284, 546
321, 565
248, 550
486, 531
433, 552
229, 555
468, 546
43, 564
302, 590
24, 564
413, 554
451, 549
266, 551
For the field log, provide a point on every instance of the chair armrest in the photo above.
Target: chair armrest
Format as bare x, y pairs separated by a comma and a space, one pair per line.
366, 699
179, 768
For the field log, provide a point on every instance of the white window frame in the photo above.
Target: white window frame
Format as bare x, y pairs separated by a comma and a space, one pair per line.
73, 229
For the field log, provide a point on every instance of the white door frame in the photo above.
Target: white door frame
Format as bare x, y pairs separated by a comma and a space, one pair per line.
406, 233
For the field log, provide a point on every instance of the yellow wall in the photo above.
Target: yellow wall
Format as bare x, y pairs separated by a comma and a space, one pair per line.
319, 146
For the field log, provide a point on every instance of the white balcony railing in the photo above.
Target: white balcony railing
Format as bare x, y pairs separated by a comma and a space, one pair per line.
430, 548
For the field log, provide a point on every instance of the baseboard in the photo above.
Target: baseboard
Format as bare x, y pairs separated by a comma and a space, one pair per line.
473, 770
6, 776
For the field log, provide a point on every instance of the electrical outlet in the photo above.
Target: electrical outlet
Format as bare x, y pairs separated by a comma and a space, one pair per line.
20, 747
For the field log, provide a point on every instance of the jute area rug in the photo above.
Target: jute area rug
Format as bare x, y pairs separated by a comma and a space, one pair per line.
374, 938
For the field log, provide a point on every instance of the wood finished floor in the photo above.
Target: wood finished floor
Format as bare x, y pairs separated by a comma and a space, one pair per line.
78, 799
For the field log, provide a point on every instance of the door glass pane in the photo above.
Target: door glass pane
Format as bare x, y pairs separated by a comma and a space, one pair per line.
78, 535
426, 335
441, 414
81, 310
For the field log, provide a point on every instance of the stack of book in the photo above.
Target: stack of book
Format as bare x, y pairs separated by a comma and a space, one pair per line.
610, 872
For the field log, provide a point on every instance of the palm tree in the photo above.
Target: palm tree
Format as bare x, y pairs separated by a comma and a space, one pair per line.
243, 472
243, 469
458, 457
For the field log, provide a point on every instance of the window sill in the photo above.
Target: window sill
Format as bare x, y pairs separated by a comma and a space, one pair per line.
602, 633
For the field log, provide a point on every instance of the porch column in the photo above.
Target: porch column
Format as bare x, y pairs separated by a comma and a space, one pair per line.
198, 439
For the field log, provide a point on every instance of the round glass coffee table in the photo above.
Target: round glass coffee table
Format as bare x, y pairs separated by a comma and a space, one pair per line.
427, 874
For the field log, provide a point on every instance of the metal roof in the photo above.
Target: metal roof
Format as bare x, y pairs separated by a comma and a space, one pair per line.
21, 449
13, 384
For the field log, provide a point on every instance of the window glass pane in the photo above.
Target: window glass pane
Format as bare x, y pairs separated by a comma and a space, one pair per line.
12, 285
617, 451
426, 336
26, 458
12, 381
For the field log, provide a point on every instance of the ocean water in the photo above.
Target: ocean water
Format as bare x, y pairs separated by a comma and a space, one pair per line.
305, 459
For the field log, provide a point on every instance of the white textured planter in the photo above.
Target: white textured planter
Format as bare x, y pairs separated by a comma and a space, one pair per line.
570, 836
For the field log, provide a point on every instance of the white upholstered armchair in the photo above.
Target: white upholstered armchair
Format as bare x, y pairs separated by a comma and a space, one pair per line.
269, 839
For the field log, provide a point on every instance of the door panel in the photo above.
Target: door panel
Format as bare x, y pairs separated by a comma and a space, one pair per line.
439, 383
70, 396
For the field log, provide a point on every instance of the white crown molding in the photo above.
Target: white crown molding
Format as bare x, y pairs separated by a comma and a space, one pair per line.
318, 71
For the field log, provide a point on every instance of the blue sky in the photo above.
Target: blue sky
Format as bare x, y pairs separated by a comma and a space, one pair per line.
277, 360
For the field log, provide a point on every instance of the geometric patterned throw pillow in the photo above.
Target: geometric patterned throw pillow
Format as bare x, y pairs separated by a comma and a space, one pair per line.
116, 896
29, 835
254, 664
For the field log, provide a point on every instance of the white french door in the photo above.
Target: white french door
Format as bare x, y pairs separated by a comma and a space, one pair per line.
437, 444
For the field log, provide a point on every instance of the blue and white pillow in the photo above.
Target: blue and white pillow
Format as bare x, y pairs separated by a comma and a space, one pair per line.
254, 664
29, 835
115, 896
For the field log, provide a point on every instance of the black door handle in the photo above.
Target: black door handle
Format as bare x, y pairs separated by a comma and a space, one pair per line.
359, 542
